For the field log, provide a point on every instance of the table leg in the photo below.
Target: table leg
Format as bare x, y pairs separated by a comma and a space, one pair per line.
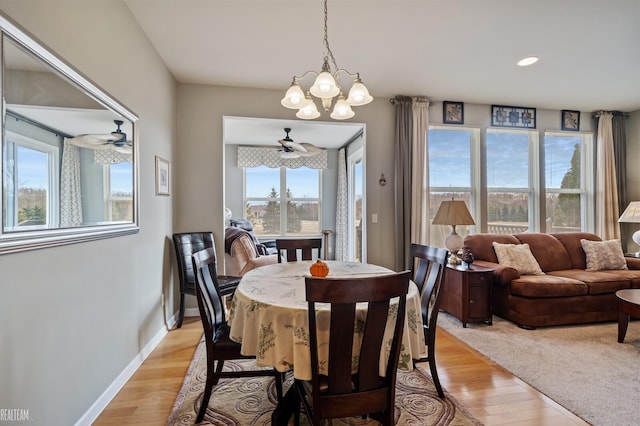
285, 408
623, 323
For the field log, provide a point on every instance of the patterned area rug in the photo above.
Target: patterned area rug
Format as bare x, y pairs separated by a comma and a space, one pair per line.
250, 401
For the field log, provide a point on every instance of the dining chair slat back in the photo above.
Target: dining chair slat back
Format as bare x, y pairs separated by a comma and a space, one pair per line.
185, 244
288, 249
428, 267
337, 392
216, 330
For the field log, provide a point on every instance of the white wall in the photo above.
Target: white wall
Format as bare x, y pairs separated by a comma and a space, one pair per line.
74, 317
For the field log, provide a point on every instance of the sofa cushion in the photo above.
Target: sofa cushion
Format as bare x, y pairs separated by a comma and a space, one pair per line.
517, 256
571, 242
547, 286
549, 252
603, 255
482, 248
597, 282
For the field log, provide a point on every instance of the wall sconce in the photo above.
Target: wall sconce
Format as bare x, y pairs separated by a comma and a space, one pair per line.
383, 180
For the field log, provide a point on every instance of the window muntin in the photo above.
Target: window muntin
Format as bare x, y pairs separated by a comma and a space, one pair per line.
268, 189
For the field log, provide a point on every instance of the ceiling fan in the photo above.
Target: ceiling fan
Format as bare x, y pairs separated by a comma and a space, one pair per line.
291, 149
116, 140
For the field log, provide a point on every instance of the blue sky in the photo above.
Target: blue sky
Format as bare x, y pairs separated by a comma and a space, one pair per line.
507, 159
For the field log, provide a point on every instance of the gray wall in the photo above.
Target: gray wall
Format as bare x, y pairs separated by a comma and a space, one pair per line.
74, 317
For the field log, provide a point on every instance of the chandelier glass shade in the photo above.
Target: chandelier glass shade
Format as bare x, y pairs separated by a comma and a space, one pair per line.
326, 87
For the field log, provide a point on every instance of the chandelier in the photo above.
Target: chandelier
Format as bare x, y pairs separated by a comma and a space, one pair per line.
326, 88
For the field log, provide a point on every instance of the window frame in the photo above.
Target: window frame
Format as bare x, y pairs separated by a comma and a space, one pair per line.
533, 190
52, 152
587, 177
282, 199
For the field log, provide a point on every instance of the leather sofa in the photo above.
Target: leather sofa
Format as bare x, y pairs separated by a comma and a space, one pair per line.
241, 253
567, 293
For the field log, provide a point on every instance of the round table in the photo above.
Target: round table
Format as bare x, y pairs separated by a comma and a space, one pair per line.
628, 305
269, 316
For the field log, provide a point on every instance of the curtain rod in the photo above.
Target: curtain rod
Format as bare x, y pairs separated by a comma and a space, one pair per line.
597, 114
37, 124
400, 98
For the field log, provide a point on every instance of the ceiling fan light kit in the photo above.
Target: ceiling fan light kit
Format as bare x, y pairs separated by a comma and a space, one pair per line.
326, 88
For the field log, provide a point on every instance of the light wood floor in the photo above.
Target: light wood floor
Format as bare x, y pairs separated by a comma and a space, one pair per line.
486, 390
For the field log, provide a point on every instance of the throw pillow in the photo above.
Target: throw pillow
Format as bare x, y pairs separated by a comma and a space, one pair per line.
519, 257
604, 255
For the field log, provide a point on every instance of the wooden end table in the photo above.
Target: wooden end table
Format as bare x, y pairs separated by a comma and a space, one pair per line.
467, 293
628, 305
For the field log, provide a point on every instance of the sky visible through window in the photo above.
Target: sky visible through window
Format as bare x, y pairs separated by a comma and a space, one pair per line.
302, 182
508, 158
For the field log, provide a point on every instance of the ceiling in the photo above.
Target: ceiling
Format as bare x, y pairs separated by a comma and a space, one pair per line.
456, 50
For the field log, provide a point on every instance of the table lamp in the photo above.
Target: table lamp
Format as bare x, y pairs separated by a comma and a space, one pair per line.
632, 215
453, 213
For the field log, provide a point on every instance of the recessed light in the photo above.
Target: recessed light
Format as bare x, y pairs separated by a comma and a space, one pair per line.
528, 61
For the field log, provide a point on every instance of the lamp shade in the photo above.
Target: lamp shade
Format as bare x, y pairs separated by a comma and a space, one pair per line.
453, 212
359, 95
325, 86
631, 214
294, 98
309, 111
342, 110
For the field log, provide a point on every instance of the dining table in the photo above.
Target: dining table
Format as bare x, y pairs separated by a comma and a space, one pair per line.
269, 317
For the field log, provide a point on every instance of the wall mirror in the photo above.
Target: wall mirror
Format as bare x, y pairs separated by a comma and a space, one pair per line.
262, 177
69, 151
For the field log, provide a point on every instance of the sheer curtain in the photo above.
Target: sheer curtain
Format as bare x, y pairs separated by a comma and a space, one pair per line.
607, 212
70, 196
342, 209
411, 175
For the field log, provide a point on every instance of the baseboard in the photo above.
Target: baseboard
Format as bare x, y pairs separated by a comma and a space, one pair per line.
101, 403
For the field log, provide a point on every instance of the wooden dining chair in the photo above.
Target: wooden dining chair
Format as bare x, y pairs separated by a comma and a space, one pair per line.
216, 331
338, 392
428, 266
288, 249
185, 244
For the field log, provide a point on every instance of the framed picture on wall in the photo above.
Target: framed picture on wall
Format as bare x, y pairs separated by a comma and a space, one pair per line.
162, 176
570, 120
452, 112
513, 116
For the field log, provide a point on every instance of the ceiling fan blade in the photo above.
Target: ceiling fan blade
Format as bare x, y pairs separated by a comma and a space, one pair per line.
89, 139
309, 149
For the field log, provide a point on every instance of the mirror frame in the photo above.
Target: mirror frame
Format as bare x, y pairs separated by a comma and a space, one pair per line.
31, 240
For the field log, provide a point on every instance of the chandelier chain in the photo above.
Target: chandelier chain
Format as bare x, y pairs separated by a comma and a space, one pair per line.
326, 37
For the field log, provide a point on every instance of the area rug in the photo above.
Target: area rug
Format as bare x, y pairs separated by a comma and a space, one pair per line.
250, 401
581, 367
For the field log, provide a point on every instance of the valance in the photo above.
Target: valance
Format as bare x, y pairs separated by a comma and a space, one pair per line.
254, 156
109, 156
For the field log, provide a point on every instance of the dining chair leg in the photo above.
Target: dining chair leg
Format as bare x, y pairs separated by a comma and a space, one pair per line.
434, 371
279, 382
181, 313
212, 379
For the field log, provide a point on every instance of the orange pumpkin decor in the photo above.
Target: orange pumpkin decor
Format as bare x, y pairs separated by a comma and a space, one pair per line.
319, 269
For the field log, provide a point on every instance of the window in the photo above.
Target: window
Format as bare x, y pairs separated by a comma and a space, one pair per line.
30, 184
266, 190
568, 185
454, 165
512, 181
119, 198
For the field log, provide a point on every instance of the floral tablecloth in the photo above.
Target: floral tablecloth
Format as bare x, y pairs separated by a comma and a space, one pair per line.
269, 317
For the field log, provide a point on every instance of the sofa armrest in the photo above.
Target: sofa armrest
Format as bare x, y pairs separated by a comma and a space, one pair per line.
502, 274
633, 262
258, 262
